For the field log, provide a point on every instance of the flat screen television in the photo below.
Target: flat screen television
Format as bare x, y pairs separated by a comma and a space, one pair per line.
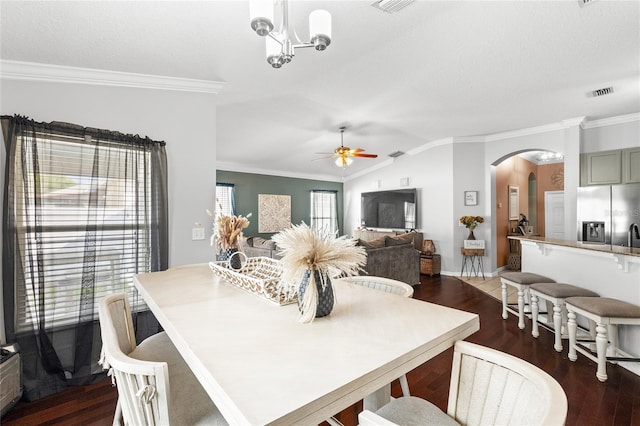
394, 209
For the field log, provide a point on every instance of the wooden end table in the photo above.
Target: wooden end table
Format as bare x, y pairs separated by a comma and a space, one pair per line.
472, 262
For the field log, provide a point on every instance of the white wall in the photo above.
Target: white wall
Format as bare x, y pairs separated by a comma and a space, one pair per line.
443, 170
185, 121
430, 171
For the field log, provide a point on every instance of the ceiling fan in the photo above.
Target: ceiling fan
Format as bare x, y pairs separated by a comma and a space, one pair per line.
343, 153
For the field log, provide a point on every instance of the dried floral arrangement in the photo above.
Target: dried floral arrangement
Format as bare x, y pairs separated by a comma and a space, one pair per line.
471, 221
227, 230
304, 249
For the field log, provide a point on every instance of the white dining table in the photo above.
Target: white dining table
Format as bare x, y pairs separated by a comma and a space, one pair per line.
260, 366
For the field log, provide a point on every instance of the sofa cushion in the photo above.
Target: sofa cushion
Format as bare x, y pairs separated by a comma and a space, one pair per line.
407, 236
261, 242
248, 241
378, 242
396, 241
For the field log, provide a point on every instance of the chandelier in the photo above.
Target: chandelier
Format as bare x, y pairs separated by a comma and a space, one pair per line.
281, 44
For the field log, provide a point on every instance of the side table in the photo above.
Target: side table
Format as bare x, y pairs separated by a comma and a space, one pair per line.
430, 264
472, 262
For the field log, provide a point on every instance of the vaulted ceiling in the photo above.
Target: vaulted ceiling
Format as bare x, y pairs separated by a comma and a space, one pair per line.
397, 81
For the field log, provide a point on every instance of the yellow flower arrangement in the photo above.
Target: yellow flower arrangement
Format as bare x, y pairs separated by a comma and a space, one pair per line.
471, 221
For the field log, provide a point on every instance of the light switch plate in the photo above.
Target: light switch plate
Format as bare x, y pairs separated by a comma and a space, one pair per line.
197, 234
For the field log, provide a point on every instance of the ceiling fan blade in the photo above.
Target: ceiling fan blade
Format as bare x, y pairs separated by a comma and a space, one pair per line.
365, 155
357, 150
324, 158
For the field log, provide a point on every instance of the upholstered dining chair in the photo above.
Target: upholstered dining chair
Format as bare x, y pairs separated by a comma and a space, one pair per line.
155, 385
487, 387
388, 286
383, 284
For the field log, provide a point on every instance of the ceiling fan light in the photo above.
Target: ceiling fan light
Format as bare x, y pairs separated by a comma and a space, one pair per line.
320, 28
261, 16
343, 161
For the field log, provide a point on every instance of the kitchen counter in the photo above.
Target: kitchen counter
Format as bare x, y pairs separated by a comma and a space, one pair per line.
604, 248
609, 270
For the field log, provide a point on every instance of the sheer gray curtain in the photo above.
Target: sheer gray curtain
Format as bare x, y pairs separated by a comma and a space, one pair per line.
85, 209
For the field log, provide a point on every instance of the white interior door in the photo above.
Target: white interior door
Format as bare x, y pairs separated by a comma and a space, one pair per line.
554, 214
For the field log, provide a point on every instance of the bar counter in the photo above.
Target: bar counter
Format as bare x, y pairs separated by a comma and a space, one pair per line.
604, 248
610, 271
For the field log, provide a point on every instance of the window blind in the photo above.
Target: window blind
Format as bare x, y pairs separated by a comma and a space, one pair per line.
324, 211
82, 210
225, 199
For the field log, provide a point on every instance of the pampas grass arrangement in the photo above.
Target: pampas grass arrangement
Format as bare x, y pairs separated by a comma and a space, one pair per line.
227, 231
304, 249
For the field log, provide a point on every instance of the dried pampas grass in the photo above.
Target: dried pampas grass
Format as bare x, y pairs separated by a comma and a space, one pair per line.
303, 248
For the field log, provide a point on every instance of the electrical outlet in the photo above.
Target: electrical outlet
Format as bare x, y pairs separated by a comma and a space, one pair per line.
197, 234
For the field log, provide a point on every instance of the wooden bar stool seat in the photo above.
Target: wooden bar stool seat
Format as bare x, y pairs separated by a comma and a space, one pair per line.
607, 313
521, 281
556, 293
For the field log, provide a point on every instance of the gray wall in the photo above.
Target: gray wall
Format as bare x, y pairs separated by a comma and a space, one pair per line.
248, 186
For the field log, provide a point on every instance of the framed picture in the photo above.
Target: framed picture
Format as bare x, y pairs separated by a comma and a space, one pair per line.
470, 198
514, 202
274, 212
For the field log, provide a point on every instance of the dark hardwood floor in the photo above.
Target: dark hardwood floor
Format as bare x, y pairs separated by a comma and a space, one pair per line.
616, 402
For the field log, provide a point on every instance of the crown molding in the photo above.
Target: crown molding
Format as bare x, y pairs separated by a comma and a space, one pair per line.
31, 71
469, 139
241, 168
368, 170
525, 132
572, 122
621, 119
431, 145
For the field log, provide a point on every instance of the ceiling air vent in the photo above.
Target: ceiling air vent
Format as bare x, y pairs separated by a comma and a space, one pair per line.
391, 6
585, 2
600, 92
396, 154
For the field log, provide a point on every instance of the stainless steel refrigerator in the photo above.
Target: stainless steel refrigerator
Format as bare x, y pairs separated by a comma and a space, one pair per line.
625, 215
609, 214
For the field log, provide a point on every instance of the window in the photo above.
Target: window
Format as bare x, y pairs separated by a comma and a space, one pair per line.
409, 215
324, 211
84, 223
225, 199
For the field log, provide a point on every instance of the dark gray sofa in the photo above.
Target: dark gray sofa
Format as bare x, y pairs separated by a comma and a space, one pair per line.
393, 257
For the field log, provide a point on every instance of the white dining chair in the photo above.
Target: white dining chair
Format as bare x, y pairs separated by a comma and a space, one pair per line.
380, 283
388, 286
487, 387
155, 385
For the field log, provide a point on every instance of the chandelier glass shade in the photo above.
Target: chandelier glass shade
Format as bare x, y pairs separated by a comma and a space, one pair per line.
281, 44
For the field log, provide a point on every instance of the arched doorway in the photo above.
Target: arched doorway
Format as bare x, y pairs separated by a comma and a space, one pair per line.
532, 173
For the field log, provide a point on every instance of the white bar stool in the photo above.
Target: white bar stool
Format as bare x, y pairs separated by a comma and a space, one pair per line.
555, 293
521, 281
607, 314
